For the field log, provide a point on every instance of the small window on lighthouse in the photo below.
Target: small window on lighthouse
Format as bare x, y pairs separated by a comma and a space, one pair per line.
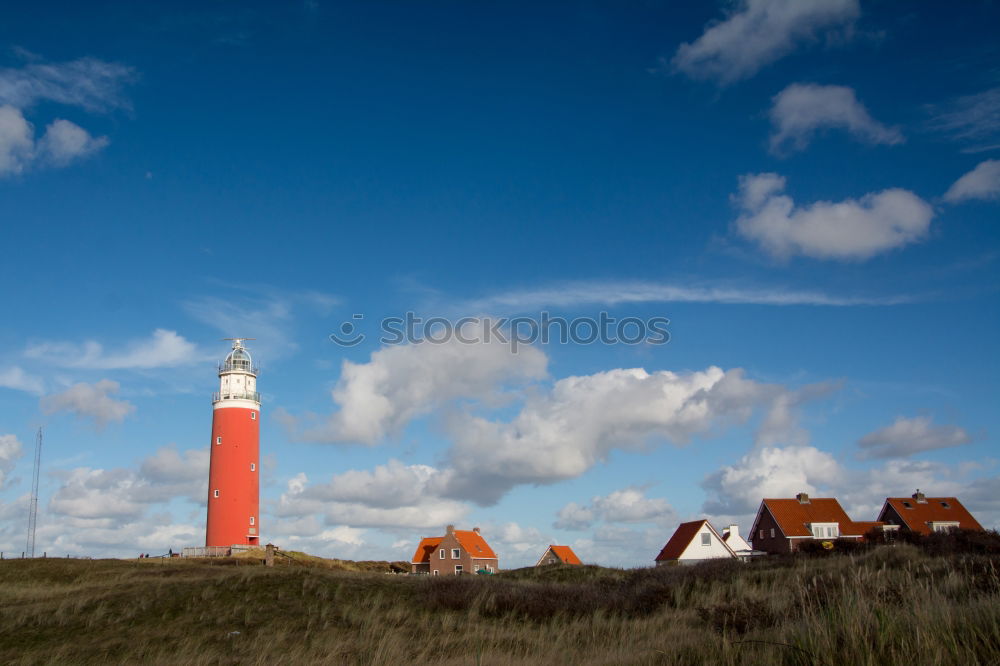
253, 467
251, 520
253, 416
215, 493
218, 440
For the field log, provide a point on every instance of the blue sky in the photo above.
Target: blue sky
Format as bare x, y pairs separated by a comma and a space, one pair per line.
807, 191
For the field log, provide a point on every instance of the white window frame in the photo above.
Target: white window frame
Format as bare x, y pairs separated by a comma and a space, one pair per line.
762, 533
435, 572
253, 415
456, 553
251, 520
772, 532
458, 569
706, 539
218, 440
253, 467
442, 554
215, 493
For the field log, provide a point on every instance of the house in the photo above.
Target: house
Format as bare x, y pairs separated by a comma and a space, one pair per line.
736, 543
558, 555
457, 552
782, 524
692, 543
923, 514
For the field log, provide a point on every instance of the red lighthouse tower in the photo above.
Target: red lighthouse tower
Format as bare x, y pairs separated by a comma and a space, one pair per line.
233, 476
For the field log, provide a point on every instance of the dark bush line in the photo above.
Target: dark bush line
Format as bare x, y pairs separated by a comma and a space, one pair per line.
954, 542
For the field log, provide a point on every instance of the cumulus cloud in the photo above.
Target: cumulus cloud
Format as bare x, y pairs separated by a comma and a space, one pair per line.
63, 143
758, 32
628, 505
10, 451
90, 400
162, 349
122, 493
562, 434
391, 496
907, 436
399, 383
803, 109
769, 472
846, 230
17, 379
983, 182
89, 83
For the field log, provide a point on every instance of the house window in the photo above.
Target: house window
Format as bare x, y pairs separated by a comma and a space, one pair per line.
907, 505
456, 553
215, 492
218, 440
253, 416
945, 505
762, 534
251, 520
458, 568
435, 572
706, 539
253, 467
441, 553
772, 532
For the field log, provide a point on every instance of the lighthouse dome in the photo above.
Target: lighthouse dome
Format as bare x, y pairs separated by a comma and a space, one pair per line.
239, 359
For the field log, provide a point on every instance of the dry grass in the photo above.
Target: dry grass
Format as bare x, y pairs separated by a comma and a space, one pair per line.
891, 605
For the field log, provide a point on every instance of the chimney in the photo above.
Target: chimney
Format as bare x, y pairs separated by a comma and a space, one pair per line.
734, 531
920, 497
450, 529
803, 498
476, 530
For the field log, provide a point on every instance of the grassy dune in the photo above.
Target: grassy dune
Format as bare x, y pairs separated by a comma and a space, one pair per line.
890, 605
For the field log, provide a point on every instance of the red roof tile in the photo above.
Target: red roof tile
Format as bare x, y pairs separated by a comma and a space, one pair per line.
474, 544
680, 540
794, 517
566, 554
424, 550
934, 509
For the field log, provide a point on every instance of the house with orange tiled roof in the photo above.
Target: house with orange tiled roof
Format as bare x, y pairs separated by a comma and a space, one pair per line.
457, 552
923, 514
558, 555
782, 525
694, 542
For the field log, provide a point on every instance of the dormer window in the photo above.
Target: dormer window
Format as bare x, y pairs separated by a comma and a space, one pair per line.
907, 504
945, 505
825, 530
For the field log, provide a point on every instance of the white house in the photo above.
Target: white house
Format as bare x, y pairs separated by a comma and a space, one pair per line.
692, 543
736, 543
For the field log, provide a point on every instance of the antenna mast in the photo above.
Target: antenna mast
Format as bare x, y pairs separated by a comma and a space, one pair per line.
33, 503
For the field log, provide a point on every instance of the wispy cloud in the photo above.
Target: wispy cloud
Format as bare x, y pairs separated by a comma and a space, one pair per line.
90, 401
758, 32
970, 118
19, 380
611, 293
89, 83
162, 349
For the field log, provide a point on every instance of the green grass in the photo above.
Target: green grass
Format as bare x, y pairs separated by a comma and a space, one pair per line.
890, 605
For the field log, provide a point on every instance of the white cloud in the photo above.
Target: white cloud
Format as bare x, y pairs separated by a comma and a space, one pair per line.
17, 141
974, 118
908, 436
10, 451
758, 32
615, 292
90, 400
17, 379
983, 182
62, 143
802, 109
162, 349
65, 142
628, 505
391, 496
846, 230
562, 434
92, 84
770, 472
399, 383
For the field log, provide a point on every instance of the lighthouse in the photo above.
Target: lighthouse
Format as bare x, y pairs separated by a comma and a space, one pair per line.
234, 470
